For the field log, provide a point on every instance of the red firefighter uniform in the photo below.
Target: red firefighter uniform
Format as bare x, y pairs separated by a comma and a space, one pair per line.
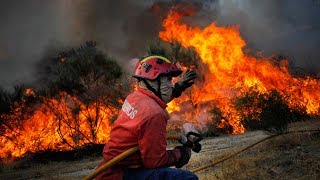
141, 122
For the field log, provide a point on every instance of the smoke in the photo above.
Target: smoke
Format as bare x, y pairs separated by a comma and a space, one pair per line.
29, 28
287, 27
123, 28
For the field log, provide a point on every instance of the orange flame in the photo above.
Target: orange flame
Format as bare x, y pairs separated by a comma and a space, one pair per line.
29, 91
231, 71
66, 123
62, 124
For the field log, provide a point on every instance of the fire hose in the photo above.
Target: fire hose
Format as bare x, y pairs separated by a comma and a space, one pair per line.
196, 147
248, 147
191, 140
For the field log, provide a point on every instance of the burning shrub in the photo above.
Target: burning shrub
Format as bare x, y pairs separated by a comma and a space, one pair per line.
15, 107
82, 91
218, 124
267, 111
83, 83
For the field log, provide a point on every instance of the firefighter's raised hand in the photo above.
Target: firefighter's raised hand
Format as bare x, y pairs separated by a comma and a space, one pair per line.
185, 156
186, 80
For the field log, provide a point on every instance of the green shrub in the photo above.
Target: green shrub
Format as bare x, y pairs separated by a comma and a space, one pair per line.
265, 111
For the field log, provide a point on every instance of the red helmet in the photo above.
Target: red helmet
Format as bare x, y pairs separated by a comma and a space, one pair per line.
151, 67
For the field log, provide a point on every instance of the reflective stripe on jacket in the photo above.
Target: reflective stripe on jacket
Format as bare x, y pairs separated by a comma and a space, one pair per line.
141, 122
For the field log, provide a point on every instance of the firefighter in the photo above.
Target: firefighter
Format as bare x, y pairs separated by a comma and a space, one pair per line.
142, 122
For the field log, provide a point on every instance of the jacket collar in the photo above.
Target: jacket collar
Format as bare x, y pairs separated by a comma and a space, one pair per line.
162, 104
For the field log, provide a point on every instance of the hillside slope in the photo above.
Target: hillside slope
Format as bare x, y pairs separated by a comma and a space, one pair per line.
292, 156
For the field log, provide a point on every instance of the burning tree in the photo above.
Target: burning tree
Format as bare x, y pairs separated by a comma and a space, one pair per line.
81, 93
85, 81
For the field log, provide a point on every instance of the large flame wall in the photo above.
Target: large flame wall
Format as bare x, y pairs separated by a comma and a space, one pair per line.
231, 71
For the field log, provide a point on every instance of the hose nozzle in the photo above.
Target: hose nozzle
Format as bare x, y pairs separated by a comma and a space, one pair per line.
191, 140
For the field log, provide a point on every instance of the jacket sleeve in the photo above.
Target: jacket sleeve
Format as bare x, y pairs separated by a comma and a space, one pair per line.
152, 143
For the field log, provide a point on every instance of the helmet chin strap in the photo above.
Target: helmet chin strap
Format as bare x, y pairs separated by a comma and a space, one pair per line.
156, 92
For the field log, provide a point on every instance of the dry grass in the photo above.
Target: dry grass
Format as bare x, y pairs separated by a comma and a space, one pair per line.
294, 156
53, 170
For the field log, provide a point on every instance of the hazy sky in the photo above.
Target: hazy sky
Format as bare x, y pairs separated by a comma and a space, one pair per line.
122, 28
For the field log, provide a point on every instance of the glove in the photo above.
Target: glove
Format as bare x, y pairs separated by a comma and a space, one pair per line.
185, 156
184, 82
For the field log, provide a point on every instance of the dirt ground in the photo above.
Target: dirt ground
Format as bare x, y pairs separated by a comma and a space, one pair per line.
291, 156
